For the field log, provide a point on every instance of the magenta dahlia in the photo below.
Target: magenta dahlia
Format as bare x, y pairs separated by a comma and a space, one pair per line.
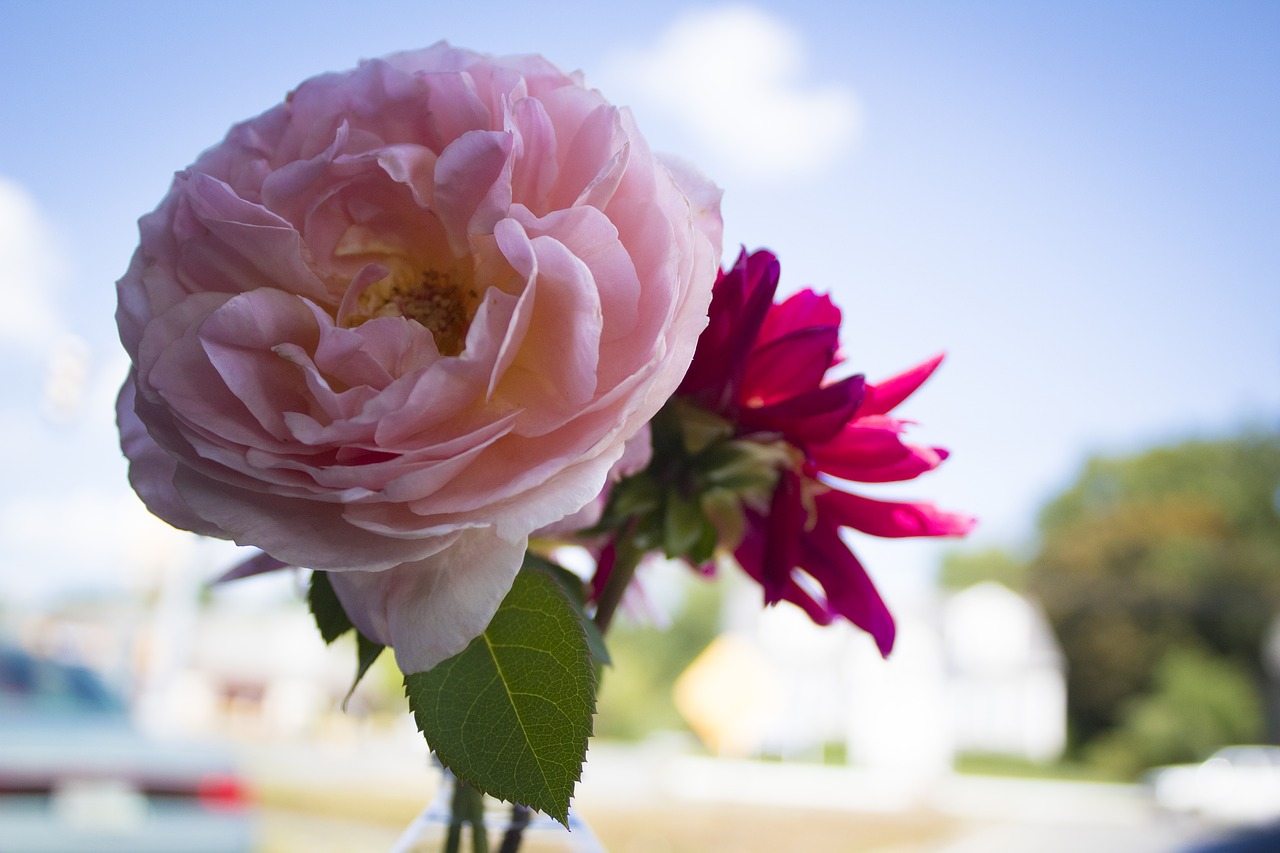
764, 368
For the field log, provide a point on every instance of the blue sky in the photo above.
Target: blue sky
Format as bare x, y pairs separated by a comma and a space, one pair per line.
1080, 202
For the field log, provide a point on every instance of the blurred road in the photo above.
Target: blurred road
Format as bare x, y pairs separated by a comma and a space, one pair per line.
355, 796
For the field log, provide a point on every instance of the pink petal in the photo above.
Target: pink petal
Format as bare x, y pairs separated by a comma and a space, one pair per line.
787, 365
431, 609
473, 185
874, 454
151, 469
536, 169
247, 246
884, 396
803, 310
297, 531
259, 564
892, 519
809, 417
239, 339
849, 590
739, 302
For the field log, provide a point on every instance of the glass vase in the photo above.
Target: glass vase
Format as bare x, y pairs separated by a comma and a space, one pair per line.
482, 824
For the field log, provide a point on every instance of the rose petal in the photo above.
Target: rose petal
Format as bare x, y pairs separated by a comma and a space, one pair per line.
455, 592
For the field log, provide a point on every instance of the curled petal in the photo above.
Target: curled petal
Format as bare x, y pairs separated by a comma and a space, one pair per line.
892, 519
795, 361
884, 396
258, 564
803, 310
849, 590
151, 469
811, 416
874, 453
740, 301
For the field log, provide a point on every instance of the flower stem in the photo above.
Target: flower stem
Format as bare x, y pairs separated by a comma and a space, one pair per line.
520, 817
626, 559
467, 807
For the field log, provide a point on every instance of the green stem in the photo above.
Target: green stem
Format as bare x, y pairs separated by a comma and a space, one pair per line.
626, 559
520, 817
467, 807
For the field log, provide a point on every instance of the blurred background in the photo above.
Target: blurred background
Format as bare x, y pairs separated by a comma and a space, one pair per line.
1079, 202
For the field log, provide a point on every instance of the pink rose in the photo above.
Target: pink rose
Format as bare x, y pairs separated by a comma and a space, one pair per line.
393, 325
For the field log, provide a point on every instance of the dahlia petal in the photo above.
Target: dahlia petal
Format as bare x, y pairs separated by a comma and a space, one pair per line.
797, 360
917, 460
850, 591
740, 300
884, 396
750, 558
866, 452
892, 519
803, 310
809, 417
784, 528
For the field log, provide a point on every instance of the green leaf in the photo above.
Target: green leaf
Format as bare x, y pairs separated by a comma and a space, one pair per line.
331, 619
577, 592
510, 715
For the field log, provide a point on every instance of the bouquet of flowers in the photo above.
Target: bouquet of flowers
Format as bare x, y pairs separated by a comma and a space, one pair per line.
428, 319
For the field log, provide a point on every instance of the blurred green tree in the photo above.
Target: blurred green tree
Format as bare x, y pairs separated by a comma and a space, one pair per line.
963, 569
1156, 565
1199, 702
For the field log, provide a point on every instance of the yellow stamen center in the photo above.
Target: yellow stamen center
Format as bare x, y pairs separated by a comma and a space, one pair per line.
444, 303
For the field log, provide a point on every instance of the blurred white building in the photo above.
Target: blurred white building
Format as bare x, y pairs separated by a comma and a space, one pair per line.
1006, 678
977, 671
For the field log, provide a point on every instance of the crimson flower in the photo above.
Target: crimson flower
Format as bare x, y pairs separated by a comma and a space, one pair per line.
763, 367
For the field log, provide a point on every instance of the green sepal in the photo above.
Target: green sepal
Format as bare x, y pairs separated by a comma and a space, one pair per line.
367, 652
687, 532
635, 496
723, 510
333, 622
511, 714
699, 428
746, 467
330, 618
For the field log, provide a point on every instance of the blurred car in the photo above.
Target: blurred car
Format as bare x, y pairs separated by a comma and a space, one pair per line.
77, 777
1237, 784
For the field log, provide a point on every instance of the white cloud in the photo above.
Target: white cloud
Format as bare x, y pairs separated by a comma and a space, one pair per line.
733, 77
30, 271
